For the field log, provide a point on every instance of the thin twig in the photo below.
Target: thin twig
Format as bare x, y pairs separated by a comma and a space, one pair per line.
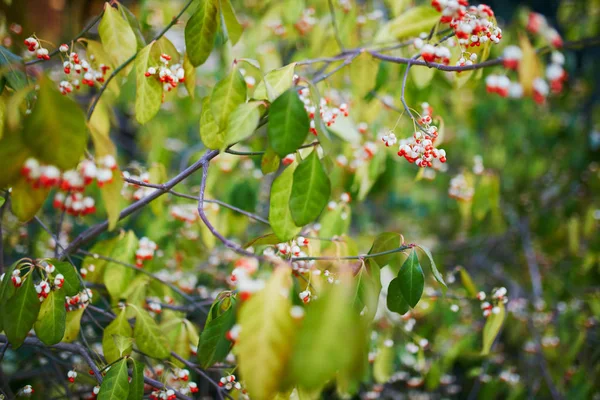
228, 243
97, 229
79, 35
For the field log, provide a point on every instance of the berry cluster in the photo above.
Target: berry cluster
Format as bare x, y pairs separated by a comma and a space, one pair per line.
169, 76
15, 278
34, 46
291, 249
70, 183
420, 148
277, 28
229, 382
327, 112
472, 25
431, 53
145, 251
498, 296
164, 394
306, 21
79, 301
74, 67
460, 189
187, 213
537, 24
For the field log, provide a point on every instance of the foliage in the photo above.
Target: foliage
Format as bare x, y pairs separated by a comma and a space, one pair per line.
125, 273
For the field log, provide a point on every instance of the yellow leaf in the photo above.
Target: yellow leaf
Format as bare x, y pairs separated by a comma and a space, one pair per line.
266, 338
117, 37
529, 67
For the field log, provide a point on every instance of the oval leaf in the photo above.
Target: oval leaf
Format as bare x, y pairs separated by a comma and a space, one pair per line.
21, 312
117, 36
411, 279
200, 32
51, 324
115, 385
213, 346
148, 337
148, 95
226, 96
288, 123
242, 122
119, 326
310, 190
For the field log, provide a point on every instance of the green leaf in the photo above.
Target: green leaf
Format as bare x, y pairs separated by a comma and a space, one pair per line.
383, 242
115, 385
280, 215
267, 331
320, 352
412, 279
492, 328
310, 190
101, 57
13, 154
383, 366
111, 197
210, 134
12, 70
275, 83
118, 327
288, 123
73, 325
234, 28
269, 161
7, 289
200, 32
368, 288
148, 95
190, 76
410, 23
117, 277
56, 123
334, 222
134, 24
51, 324
226, 96
136, 387
436, 273
72, 284
148, 337
467, 282
26, 201
117, 37
242, 122
213, 346
421, 77
395, 300
21, 312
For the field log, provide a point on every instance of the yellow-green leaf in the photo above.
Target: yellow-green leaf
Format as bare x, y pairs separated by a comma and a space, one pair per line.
210, 134
234, 28
117, 37
148, 95
148, 336
412, 22
266, 339
51, 324
226, 96
242, 122
73, 325
118, 327
492, 327
56, 123
280, 216
275, 83
26, 201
